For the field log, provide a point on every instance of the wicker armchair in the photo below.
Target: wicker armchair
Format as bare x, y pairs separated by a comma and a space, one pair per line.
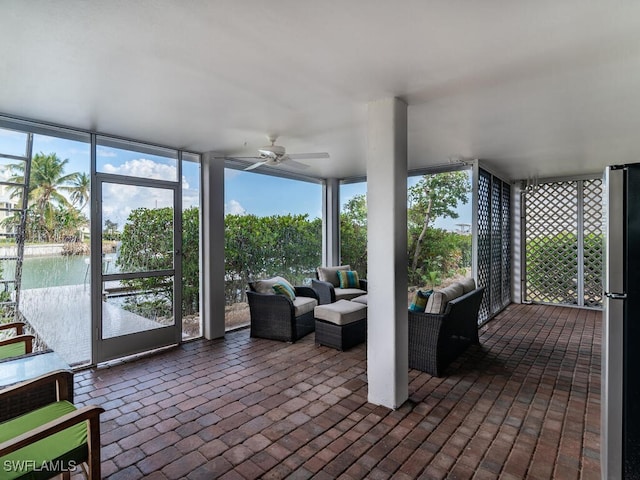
52, 439
435, 340
328, 287
274, 316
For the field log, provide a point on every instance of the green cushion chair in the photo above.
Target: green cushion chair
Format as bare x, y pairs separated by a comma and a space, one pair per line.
54, 439
17, 345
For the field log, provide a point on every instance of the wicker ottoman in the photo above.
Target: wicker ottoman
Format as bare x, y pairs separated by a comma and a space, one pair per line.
341, 325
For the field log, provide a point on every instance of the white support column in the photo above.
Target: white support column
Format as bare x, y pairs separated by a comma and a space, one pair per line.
387, 338
331, 222
212, 247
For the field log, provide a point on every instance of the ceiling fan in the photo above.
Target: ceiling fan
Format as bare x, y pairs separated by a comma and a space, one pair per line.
274, 155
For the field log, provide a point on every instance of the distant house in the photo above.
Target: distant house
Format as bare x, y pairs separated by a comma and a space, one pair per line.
7, 208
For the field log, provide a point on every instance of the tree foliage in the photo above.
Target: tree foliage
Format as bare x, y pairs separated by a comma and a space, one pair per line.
255, 247
259, 247
353, 234
433, 253
147, 245
434, 196
190, 261
50, 214
286, 245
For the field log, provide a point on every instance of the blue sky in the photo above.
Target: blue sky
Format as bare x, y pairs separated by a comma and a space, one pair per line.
245, 192
259, 194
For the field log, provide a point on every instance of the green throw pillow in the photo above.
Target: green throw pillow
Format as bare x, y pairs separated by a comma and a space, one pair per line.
420, 300
348, 279
284, 289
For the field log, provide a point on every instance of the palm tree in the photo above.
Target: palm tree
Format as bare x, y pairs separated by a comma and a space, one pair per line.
81, 189
47, 181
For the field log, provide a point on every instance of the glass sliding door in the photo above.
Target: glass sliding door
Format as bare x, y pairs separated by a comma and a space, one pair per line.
137, 267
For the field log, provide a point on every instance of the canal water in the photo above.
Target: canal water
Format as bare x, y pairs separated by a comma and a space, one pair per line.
52, 271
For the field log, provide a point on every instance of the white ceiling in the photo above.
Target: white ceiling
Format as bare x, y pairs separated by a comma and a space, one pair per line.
544, 88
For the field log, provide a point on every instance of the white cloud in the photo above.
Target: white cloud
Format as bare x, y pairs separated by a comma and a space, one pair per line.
144, 168
119, 200
234, 208
190, 198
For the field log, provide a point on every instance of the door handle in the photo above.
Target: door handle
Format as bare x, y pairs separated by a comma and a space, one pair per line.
616, 296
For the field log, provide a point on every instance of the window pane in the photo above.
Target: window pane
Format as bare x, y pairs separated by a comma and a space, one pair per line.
273, 226
439, 222
353, 226
13, 143
55, 286
137, 305
120, 157
439, 228
191, 322
137, 225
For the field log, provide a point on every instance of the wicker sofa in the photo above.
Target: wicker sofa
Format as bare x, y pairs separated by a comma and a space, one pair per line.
276, 317
436, 339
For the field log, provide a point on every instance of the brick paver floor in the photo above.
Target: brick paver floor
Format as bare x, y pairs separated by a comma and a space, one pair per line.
524, 404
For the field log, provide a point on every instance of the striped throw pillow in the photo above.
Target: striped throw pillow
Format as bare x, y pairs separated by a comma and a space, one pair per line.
348, 279
420, 299
284, 289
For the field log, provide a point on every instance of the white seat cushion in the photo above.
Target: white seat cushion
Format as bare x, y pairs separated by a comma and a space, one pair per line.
468, 284
330, 274
341, 312
439, 298
266, 286
348, 293
361, 299
302, 305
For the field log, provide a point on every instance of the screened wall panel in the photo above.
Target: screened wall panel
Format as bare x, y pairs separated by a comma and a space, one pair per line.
494, 244
484, 241
506, 244
563, 243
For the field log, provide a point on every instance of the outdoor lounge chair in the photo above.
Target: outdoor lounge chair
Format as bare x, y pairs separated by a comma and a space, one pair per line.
20, 344
328, 285
47, 441
437, 339
278, 317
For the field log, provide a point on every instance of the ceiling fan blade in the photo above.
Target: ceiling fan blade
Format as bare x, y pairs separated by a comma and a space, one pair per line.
294, 164
256, 165
307, 156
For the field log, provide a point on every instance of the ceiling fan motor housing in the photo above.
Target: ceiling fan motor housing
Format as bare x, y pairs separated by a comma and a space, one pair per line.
272, 151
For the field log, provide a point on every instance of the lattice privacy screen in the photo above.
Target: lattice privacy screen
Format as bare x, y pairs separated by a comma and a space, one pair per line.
563, 243
494, 244
593, 242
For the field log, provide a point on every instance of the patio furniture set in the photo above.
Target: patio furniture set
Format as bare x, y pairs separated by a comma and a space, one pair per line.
43, 433
442, 323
